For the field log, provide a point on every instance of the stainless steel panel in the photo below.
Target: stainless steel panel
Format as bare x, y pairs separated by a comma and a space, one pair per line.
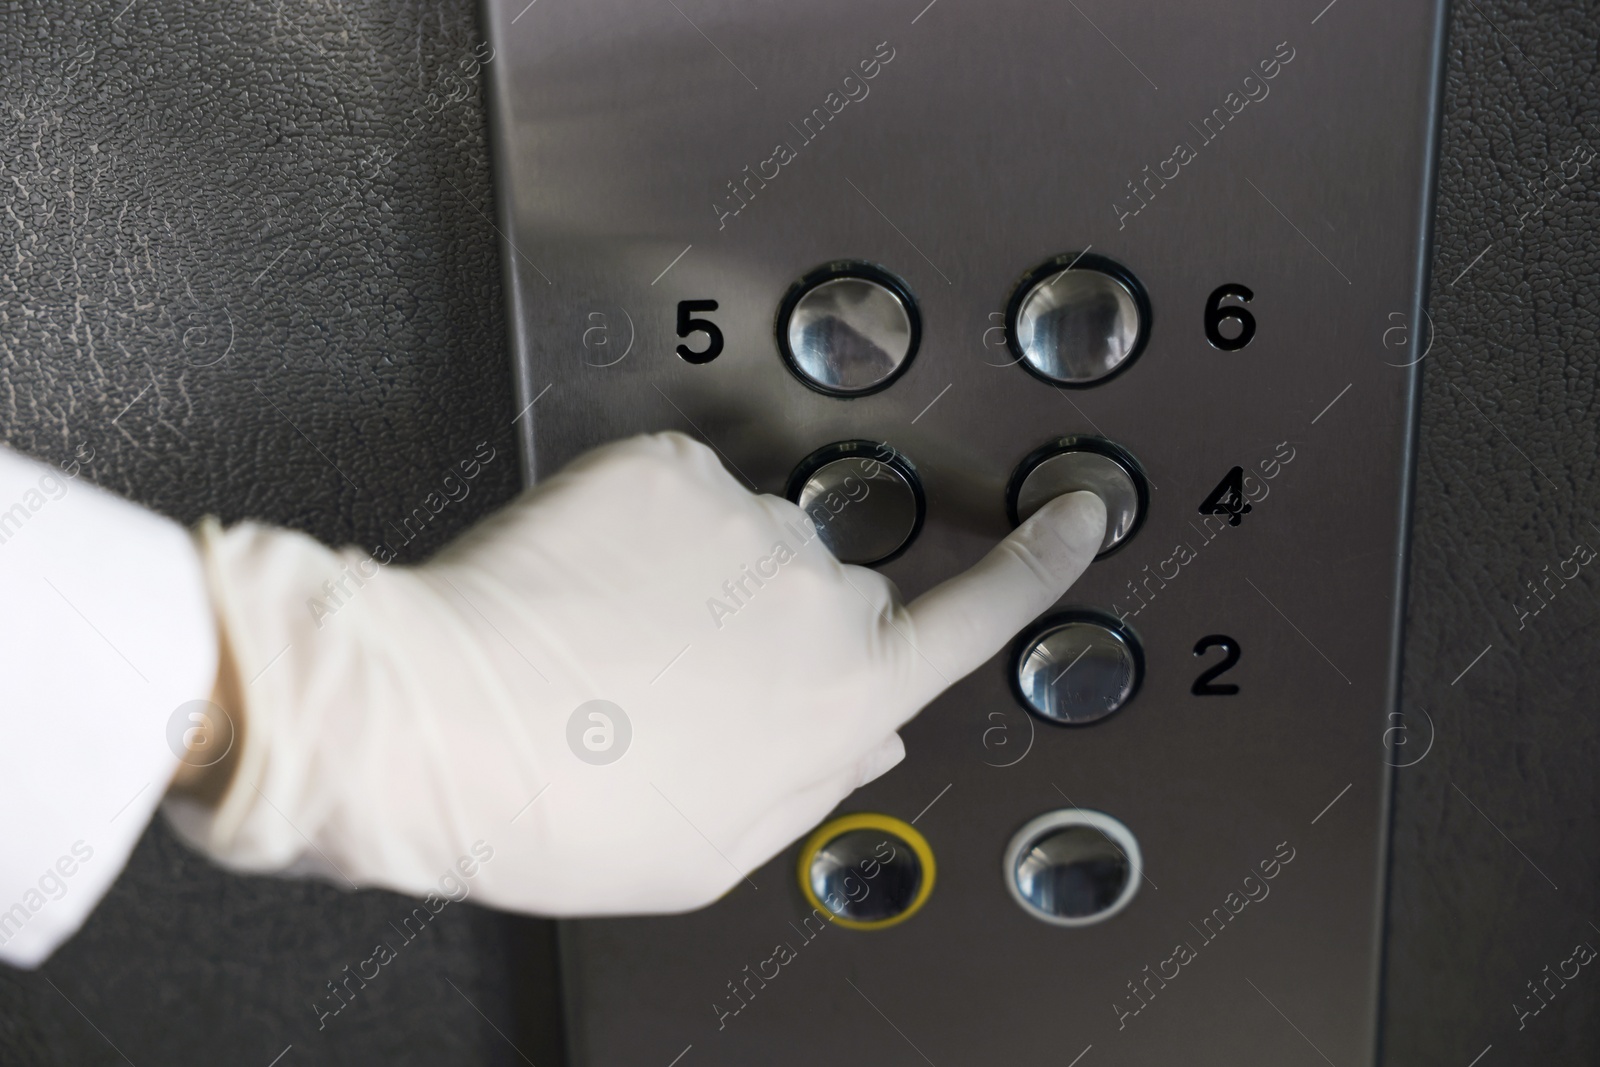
717, 151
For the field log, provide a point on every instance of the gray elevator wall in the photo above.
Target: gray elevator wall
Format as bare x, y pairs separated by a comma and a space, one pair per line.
242, 258
1496, 838
190, 203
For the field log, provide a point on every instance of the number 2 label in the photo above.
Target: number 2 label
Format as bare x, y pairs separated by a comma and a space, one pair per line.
1206, 685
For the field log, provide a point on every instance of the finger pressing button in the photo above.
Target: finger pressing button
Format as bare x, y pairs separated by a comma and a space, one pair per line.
1070, 464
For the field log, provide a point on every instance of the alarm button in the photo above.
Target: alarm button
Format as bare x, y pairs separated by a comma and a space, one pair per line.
1077, 320
1069, 464
848, 329
864, 497
1077, 668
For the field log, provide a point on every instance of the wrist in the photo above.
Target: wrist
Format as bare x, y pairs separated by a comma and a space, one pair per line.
212, 743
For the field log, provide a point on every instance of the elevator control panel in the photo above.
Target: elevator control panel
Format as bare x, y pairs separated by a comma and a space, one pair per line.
920, 269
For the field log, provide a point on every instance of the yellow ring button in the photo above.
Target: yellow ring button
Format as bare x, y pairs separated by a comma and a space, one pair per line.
866, 871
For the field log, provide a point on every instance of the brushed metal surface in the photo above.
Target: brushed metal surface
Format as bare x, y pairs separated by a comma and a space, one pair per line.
719, 151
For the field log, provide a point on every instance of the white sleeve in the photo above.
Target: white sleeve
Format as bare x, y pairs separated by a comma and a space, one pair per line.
105, 632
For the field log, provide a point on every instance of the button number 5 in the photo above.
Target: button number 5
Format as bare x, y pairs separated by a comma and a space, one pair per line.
688, 325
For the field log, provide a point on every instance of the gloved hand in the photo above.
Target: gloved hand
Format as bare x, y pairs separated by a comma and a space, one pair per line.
445, 704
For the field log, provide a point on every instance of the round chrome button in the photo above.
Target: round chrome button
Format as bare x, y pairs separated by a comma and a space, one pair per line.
866, 871
864, 497
1069, 464
1073, 867
1077, 668
1077, 320
848, 329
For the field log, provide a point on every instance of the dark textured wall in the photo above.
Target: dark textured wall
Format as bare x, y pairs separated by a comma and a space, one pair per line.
246, 257
1496, 847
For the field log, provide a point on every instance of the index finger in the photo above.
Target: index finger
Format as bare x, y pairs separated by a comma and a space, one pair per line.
959, 624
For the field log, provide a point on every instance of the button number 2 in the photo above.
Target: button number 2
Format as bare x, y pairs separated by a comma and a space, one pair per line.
1206, 685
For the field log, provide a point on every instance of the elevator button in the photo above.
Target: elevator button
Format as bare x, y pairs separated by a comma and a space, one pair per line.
866, 871
1073, 867
1077, 668
864, 497
848, 329
1077, 320
1069, 464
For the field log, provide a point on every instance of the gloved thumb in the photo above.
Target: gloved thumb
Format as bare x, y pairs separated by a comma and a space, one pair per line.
960, 623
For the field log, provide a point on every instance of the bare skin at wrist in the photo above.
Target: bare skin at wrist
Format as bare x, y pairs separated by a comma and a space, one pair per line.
201, 777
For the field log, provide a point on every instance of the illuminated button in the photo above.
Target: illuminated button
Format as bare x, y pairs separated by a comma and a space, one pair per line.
848, 329
866, 871
1073, 867
864, 497
1069, 464
1077, 320
1077, 668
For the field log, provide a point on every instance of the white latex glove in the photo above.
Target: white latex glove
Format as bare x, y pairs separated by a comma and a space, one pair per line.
432, 708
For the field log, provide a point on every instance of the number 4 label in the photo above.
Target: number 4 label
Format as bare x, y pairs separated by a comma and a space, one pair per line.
1228, 498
